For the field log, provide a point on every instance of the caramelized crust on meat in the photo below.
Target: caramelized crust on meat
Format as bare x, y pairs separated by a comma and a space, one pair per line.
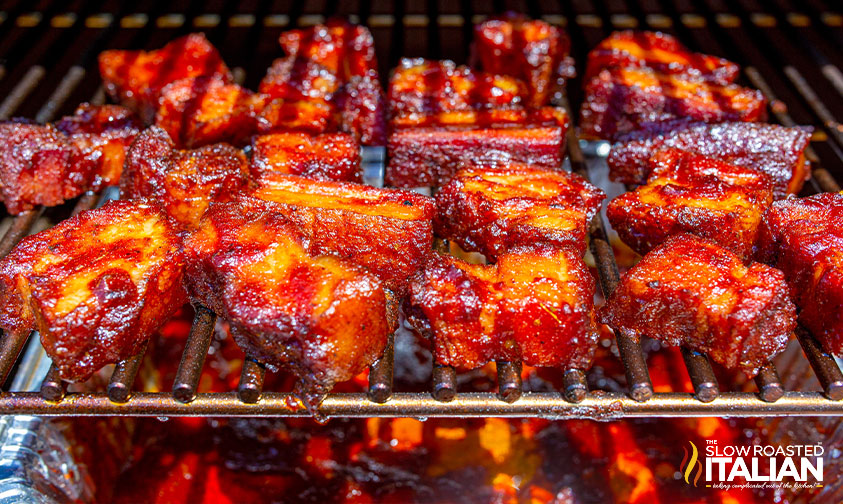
690, 193
102, 134
689, 291
36, 167
334, 68
135, 78
317, 315
313, 117
420, 86
535, 304
492, 210
804, 238
484, 118
622, 100
659, 51
775, 150
183, 182
346, 49
423, 157
529, 49
387, 231
203, 110
325, 157
95, 286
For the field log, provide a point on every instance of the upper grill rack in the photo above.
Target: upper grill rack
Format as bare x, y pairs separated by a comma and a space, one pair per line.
785, 35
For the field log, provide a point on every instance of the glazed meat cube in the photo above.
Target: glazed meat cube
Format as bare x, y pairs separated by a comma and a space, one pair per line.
527, 49
690, 291
690, 193
535, 304
203, 110
389, 232
423, 157
420, 86
346, 49
484, 118
333, 156
294, 78
36, 168
183, 182
135, 78
622, 100
317, 315
102, 134
492, 210
776, 150
361, 109
804, 238
659, 51
313, 117
95, 286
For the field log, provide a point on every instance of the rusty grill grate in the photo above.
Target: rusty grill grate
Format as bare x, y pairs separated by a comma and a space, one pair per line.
791, 53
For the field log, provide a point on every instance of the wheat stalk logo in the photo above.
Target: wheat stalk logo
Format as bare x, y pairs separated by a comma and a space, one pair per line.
688, 466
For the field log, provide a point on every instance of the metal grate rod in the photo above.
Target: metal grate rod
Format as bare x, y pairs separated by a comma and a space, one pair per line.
251, 381
509, 380
770, 388
823, 365
381, 374
10, 348
125, 372
193, 357
53, 388
21, 224
576, 387
444, 383
702, 376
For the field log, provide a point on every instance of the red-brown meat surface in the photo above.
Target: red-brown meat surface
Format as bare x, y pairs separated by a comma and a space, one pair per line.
687, 192
690, 291
534, 305
492, 210
95, 286
776, 150
323, 318
333, 156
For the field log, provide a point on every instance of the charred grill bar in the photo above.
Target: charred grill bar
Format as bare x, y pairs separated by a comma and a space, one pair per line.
756, 40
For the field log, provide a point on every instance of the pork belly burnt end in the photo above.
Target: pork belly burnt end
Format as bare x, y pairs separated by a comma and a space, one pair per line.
183, 182
691, 193
102, 134
387, 231
422, 157
804, 238
317, 315
662, 52
334, 156
203, 110
36, 167
529, 49
535, 304
623, 100
492, 210
690, 291
95, 286
776, 150
420, 86
346, 49
135, 78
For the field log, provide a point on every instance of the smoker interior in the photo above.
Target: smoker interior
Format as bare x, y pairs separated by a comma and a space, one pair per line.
788, 50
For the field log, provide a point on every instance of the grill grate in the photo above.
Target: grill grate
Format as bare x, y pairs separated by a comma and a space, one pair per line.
803, 42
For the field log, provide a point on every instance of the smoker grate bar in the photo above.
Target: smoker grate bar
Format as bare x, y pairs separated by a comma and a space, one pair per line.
53, 388
21, 224
702, 376
250, 387
770, 388
444, 383
125, 372
381, 374
827, 371
10, 349
509, 380
575, 385
193, 357
596, 405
